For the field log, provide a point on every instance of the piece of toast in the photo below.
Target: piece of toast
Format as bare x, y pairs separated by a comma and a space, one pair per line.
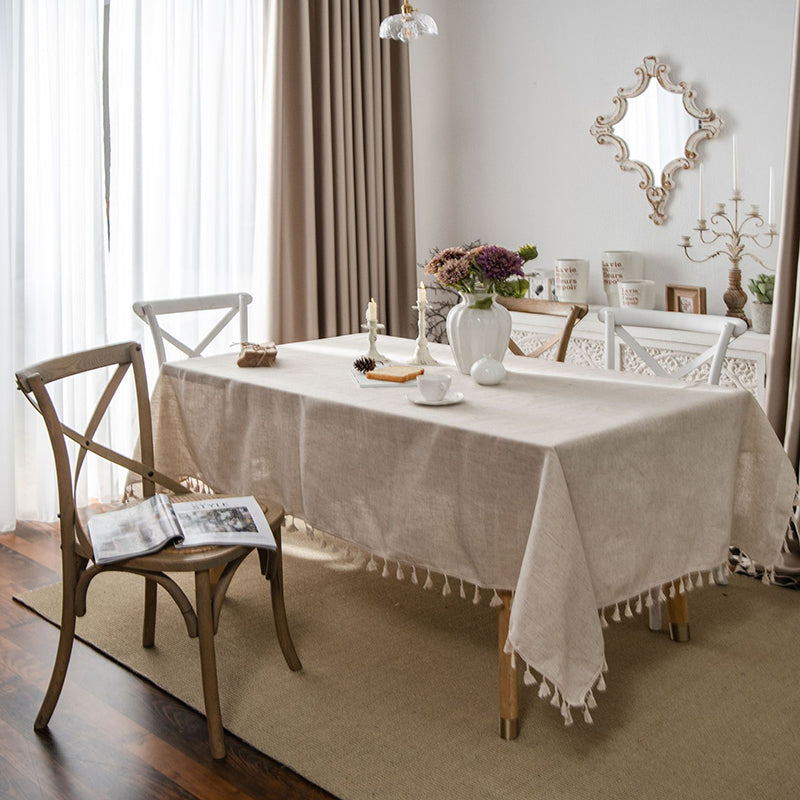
398, 373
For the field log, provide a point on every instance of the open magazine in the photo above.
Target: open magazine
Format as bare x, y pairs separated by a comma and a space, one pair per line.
150, 525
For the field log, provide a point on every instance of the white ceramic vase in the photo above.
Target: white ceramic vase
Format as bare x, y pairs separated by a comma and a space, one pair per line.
478, 327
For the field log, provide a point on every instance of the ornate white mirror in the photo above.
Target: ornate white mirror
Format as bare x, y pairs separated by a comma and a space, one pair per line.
655, 128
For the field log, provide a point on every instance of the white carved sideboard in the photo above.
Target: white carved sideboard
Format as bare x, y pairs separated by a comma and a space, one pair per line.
745, 365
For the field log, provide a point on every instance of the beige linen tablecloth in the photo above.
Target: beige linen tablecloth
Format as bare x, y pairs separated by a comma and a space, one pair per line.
578, 489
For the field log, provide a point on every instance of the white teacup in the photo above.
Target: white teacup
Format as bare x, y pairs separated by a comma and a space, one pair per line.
637, 294
433, 387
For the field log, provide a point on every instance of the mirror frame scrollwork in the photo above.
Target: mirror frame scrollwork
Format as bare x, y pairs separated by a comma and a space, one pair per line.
709, 126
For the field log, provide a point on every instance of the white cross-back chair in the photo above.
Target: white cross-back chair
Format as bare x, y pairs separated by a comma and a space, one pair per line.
618, 320
151, 310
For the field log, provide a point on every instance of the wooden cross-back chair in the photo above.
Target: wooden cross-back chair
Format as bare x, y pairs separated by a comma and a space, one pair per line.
150, 310
213, 567
571, 312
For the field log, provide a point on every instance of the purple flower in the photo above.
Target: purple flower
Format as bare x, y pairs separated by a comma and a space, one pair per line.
498, 264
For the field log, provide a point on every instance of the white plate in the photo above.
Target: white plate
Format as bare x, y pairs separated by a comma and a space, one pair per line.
450, 399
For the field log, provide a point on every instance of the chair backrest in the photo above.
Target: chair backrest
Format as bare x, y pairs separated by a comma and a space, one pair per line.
618, 320
571, 312
33, 382
150, 310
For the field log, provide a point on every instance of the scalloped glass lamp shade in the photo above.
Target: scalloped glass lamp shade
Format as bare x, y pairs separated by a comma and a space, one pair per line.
407, 25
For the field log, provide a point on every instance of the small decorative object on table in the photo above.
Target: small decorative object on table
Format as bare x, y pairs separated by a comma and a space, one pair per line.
373, 326
762, 288
733, 230
686, 299
257, 355
422, 355
487, 371
478, 325
364, 364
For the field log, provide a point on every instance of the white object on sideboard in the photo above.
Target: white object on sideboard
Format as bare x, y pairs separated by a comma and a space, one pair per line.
745, 365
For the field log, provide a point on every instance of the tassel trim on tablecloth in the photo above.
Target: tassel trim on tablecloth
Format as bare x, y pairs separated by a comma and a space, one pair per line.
548, 687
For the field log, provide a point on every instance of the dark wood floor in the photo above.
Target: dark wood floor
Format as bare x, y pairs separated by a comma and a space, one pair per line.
112, 734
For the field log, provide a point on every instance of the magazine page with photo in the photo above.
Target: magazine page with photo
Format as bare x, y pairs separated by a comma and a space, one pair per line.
223, 521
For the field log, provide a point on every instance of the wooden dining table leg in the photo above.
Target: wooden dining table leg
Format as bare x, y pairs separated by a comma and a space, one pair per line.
508, 686
678, 614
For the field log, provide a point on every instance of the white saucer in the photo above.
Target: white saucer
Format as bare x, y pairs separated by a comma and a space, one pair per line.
450, 399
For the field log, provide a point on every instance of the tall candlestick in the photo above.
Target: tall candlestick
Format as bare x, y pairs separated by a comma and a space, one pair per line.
372, 310
422, 294
769, 215
735, 168
702, 204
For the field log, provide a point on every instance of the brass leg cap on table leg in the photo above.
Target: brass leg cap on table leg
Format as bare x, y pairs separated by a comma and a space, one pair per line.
679, 631
509, 728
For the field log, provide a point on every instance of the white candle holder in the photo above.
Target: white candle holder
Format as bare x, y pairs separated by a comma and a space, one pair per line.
422, 355
373, 327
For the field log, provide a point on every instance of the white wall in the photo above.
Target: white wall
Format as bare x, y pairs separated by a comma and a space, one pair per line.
504, 97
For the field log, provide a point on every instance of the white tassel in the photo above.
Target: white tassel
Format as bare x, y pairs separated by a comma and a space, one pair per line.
615, 617
428, 581
400, 575
385, 573
711, 581
662, 598
495, 602
639, 604
605, 665
371, 565
628, 612
649, 602
765, 576
681, 587
672, 590
476, 598
291, 525
567, 714
462, 594
587, 717
544, 689
414, 578
601, 683
513, 660
508, 648
590, 701
689, 584
603, 620
528, 677
309, 532
699, 580
556, 701
446, 590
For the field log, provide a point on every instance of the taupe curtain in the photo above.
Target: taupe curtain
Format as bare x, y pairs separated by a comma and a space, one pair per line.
345, 192
783, 370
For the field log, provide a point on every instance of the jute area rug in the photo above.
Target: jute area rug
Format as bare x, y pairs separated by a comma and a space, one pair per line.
397, 697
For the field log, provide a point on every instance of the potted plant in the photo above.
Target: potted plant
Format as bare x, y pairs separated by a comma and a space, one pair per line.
762, 287
478, 326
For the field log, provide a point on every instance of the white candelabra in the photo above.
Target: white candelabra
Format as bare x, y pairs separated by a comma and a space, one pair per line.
738, 233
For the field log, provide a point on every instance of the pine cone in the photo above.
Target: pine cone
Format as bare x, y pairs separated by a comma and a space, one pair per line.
364, 364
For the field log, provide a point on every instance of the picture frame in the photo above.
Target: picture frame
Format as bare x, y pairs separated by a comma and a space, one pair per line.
686, 299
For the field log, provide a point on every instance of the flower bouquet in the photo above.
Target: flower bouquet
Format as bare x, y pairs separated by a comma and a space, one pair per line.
483, 269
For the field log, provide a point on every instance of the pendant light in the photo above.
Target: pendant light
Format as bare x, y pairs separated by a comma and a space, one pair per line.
407, 25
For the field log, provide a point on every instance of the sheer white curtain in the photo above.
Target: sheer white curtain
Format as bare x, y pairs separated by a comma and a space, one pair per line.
53, 271
191, 166
191, 139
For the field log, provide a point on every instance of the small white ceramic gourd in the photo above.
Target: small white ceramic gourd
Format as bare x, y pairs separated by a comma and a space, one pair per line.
487, 371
